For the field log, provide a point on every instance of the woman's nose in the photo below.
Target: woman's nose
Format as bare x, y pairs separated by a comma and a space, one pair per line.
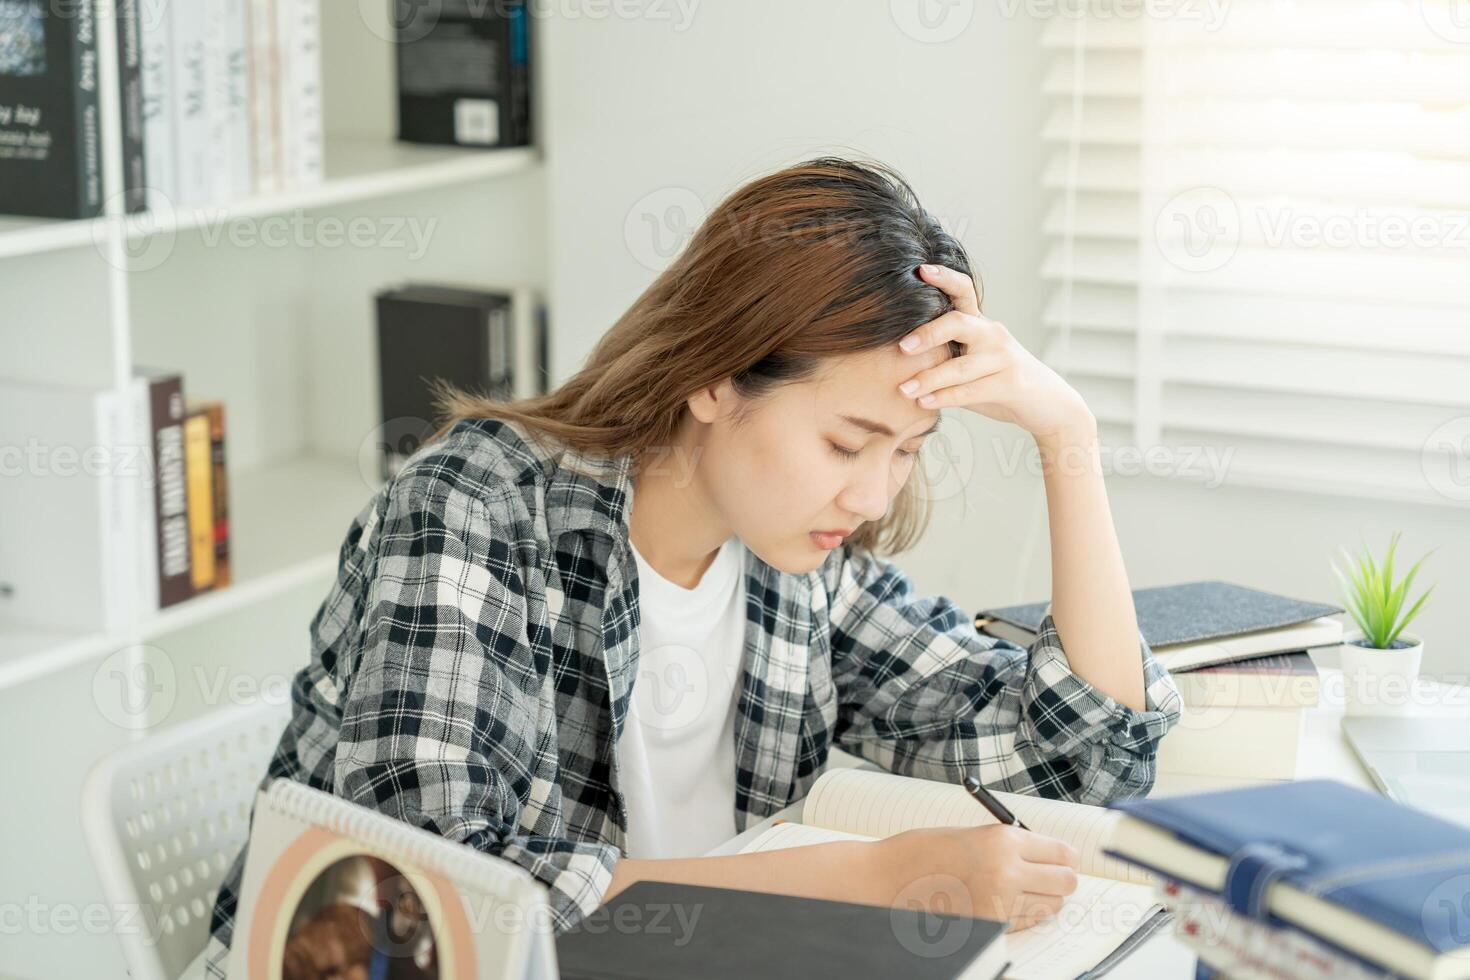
867, 496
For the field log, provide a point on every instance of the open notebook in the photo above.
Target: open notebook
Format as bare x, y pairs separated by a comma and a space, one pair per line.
1113, 898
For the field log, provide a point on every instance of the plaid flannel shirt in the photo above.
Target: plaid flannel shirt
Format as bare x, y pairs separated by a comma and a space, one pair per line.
472, 664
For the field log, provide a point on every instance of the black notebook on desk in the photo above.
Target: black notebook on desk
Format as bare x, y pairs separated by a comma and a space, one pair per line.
661, 931
1195, 624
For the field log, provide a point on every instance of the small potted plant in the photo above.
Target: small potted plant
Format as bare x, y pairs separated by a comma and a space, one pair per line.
1382, 665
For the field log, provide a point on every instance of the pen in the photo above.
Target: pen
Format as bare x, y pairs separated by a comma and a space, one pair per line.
988, 801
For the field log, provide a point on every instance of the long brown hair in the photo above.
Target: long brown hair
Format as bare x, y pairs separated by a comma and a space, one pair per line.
815, 260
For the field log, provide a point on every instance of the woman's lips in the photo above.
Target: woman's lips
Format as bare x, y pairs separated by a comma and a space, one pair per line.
826, 539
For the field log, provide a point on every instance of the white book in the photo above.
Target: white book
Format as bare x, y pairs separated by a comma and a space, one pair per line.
144, 546
1325, 631
216, 99
320, 870
1113, 898
191, 102
63, 494
160, 149
1233, 742
299, 40
237, 100
526, 327
263, 64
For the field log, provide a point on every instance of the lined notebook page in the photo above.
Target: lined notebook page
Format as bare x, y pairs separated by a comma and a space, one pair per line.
881, 804
789, 834
1094, 920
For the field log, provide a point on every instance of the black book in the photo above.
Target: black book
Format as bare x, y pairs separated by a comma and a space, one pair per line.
660, 931
429, 333
130, 84
50, 135
464, 73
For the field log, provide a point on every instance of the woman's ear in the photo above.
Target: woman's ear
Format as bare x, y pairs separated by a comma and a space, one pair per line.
712, 401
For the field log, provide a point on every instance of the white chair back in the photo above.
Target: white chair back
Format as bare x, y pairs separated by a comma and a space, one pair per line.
164, 819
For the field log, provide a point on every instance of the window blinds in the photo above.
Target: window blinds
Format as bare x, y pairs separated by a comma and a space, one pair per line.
1257, 225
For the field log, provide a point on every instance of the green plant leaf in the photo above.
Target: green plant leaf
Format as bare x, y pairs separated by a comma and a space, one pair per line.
1351, 598
1409, 616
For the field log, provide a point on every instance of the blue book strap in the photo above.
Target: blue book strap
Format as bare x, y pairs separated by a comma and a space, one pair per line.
1252, 869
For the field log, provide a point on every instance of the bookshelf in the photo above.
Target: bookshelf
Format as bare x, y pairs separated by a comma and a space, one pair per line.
357, 169
291, 500
283, 334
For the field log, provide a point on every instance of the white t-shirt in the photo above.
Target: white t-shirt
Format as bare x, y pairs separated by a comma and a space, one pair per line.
676, 754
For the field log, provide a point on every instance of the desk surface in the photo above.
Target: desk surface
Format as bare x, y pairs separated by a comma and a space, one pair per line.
1324, 754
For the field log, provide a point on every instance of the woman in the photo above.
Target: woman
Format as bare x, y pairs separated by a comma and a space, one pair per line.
703, 506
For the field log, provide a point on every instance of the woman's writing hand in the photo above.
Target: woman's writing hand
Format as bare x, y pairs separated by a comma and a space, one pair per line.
994, 375
995, 872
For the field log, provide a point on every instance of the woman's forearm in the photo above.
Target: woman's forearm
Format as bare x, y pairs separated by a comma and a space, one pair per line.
836, 870
1092, 605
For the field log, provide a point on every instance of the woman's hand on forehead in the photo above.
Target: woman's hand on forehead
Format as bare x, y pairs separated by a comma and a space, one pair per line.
993, 375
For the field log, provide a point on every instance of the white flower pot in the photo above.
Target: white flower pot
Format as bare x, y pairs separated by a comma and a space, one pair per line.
1381, 682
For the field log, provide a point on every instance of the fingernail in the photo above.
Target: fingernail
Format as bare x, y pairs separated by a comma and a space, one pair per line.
926, 400
930, 269
909, 343
909, 387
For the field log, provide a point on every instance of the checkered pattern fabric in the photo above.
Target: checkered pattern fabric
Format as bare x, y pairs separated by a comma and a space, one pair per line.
472, 664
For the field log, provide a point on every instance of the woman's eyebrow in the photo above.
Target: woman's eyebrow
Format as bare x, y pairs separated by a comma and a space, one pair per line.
868, 425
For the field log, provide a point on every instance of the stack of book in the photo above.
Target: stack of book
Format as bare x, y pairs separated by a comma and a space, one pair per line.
141, 516
219, 99
1311, 879
1240, 659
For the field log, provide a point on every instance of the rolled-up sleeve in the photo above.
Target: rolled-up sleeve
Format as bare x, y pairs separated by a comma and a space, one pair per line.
441, 726
921, 692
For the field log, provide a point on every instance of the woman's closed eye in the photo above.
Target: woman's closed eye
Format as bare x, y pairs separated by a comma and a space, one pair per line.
846, 453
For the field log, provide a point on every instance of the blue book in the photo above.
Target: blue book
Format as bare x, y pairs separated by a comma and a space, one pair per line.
1381, 882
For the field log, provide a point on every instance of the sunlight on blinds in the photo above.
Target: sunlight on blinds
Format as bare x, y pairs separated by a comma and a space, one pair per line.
1258, 235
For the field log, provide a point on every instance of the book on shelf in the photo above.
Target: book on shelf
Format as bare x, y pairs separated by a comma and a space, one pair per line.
199, 475
130, 486
480, 340
263, 85
63, 496
1113, 900
220, 99
186, 541
393, 899
219, 493
1378, 883
464, 73
1197, 624
159, 132
171, 491
704, 931
130, 82
299, 74
189, 52
50, 113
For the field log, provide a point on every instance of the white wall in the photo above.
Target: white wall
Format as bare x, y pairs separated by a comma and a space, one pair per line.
647, 119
